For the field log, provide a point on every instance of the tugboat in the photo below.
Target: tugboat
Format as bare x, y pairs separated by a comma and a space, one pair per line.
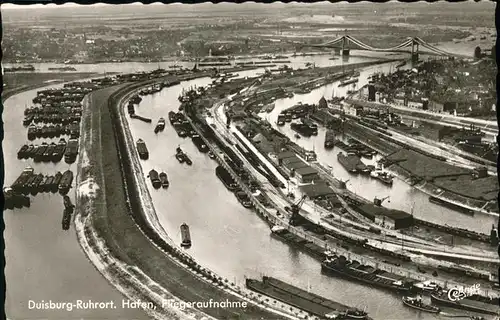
160, 126
186, 237
416, 303
164, 180
142, 149
383, 176
179, 155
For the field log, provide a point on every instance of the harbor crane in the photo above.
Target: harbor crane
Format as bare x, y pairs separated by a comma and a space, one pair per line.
378, 202
294, 210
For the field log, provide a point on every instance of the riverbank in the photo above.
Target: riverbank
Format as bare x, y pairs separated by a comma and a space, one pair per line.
121, 230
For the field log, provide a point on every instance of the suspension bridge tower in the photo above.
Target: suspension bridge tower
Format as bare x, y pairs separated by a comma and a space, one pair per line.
345, 50
414, 51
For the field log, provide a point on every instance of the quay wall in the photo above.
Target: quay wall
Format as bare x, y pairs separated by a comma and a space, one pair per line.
269, 215
209, 284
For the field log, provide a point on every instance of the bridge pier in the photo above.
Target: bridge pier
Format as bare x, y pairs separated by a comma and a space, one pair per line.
414, 57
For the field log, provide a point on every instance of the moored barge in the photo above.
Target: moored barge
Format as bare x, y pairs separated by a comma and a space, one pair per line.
155, 179
142, 149
451, 205
304, 300
467, 303
226, 178
416, 303
353, 270
71, 151
66, 181
199, 143
329, 139
164, 180
243, 199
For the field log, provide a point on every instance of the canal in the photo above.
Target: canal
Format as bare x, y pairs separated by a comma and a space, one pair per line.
46, 263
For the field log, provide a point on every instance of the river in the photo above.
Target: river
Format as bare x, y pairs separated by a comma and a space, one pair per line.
46, 263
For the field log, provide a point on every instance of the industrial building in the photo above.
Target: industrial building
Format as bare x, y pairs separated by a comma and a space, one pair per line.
318, 190
388, 218
306, 174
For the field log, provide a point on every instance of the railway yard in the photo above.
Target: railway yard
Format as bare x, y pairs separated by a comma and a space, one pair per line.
233, 121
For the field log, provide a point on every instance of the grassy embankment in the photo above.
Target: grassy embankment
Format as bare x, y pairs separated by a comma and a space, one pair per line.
114, 221
23, 81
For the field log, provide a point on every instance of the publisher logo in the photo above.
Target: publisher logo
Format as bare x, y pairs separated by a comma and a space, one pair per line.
457, 294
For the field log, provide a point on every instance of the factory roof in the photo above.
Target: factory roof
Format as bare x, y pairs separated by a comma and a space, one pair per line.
291, 160
306, 171
296, 165
318, 189
285, 154
374, 210
362, 103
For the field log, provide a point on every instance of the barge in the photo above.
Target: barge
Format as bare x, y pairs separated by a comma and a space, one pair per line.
67, 204
142, 149
281, 120
329, 139
302, 129
155, 179
353, 270
66, 220
226, 178
135, 116
66, 181
467, 303
55, 182
185, 236
349, 162
348, 82
14, 199
304, 300
164, 180
451, 205
20, 183
71, 151
59, 150
199, 143
243, 199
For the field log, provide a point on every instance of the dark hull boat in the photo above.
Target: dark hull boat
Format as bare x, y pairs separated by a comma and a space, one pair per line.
185, 235
66, 181
451, 205
416, 303
243, 199
164, 180
155, 179
142, 149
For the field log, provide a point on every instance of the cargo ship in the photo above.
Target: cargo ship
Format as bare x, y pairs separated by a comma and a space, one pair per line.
467, 303
451, 205
66, 181
160, 126
243, 199
226, 178
142, 149
416, 303
71, 151
383, 176
164, 180
185, 236
329, 139
155, 179
199, 143
66, 220
304, 300
348, 82
353, 270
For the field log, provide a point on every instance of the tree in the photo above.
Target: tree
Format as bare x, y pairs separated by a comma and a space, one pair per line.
477, 52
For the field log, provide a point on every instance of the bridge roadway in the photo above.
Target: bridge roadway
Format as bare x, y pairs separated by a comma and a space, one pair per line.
281, 217
454, 252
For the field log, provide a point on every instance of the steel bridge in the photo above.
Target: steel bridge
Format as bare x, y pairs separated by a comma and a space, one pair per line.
411, 45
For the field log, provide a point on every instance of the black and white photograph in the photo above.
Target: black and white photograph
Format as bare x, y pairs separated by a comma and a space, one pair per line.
262, 161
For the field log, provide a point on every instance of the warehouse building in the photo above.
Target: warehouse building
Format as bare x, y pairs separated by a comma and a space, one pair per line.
318, 190
306, 174
388, 218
